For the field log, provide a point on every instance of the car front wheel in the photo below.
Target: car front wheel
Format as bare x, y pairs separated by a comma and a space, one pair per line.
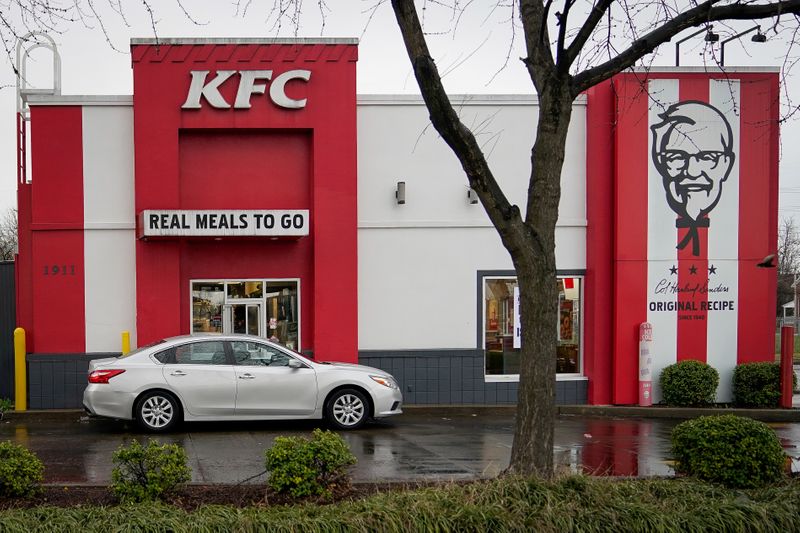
157, 411
347, 409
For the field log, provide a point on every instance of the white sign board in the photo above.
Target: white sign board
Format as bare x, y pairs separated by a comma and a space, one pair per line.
223, 223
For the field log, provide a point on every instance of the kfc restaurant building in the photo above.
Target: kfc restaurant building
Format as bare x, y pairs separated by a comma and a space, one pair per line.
245, 187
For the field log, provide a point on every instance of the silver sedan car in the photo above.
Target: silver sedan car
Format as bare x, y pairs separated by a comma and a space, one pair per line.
234, 377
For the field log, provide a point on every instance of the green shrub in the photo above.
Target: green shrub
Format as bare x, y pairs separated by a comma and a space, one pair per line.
689, 383
5, 405
21, 472
314, 467
506, 504
758, 384
149, 472
734, 451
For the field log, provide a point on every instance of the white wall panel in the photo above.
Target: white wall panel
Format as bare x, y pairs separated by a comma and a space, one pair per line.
108, 165
397, 143
109, 221
110, 269
417, 287
418, 262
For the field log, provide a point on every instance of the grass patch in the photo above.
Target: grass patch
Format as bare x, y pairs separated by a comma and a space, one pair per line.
796, 348
569, 504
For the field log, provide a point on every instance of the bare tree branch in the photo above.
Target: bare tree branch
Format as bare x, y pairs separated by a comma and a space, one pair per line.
562, 31
446, 121
594, 18
788, 247
8, 235
537, 40
703, 13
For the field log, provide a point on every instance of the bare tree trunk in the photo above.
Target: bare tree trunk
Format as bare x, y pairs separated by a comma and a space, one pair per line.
531, 242
532, 451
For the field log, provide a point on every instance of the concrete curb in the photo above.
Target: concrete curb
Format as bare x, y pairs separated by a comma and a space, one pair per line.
612, 411
764, 415
43, 414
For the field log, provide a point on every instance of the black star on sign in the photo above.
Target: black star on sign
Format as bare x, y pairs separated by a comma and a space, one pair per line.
712, 270
692, 269
673, 270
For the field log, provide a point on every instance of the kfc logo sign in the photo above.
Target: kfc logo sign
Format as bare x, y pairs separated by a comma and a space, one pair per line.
693, 152
250, 82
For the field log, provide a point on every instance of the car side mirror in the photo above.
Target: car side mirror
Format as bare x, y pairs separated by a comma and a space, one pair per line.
294, 363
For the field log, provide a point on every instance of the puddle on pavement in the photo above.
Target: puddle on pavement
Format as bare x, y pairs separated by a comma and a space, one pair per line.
412, 448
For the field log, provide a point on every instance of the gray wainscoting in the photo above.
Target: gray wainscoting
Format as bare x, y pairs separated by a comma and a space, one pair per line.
455, 377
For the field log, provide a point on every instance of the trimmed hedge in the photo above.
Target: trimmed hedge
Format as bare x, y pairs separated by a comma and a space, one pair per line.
568, 504
143, 473
309, 467
732, 450
689, 383
21, 472
758, 384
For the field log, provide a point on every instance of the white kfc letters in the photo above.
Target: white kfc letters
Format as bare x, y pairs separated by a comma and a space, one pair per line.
250, 82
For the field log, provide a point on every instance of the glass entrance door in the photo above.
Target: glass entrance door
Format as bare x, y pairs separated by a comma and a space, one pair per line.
245, 318
268, 308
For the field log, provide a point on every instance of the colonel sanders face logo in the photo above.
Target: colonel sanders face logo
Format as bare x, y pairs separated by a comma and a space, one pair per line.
693, 152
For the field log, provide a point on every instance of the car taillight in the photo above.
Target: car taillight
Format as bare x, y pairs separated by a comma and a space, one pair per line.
102, 376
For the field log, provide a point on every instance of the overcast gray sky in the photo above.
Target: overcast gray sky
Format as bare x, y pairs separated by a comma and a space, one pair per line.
473, 57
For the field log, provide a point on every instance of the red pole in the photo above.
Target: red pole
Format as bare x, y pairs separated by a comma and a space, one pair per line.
787, 351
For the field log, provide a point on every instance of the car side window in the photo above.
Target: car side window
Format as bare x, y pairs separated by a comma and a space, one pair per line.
255, 354
200, 353
166, 356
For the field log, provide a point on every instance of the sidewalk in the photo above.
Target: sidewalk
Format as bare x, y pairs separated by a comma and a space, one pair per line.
423, 444
764, 415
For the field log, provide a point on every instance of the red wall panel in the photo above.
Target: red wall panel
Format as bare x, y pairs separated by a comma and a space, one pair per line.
692, 334
264, 157
599, 245
245, 169
758, 204
58, 292
56, 239
630, 246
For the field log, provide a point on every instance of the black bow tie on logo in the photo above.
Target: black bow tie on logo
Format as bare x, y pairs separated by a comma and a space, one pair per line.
692, 235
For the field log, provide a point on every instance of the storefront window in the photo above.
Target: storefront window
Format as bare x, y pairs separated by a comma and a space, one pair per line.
282, 316
207, 301
266, 308
245, 289
568, 353
502, 336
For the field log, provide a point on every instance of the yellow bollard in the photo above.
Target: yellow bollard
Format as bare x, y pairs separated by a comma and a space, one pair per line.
20, 372
126, 342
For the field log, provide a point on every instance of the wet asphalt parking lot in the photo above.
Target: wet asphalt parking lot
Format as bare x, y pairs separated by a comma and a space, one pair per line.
423, 444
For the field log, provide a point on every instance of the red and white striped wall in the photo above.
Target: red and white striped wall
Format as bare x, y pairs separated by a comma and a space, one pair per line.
707, 300
80, 284
77, 270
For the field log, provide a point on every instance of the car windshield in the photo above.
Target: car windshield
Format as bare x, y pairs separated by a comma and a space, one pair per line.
140, 348
294, 352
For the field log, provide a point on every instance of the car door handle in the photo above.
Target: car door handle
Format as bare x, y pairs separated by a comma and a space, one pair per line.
178, 373
247, 376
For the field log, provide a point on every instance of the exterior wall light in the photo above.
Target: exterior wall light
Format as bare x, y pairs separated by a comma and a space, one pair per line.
757, 38
472, 196
710, 37
400, 193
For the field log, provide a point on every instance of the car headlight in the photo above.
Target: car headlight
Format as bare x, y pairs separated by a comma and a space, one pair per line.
386, 381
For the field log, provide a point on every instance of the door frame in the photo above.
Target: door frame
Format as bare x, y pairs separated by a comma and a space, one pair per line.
262, 301
227, 311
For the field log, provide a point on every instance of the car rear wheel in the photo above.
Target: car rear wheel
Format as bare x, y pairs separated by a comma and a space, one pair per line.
157, 411
347, 409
